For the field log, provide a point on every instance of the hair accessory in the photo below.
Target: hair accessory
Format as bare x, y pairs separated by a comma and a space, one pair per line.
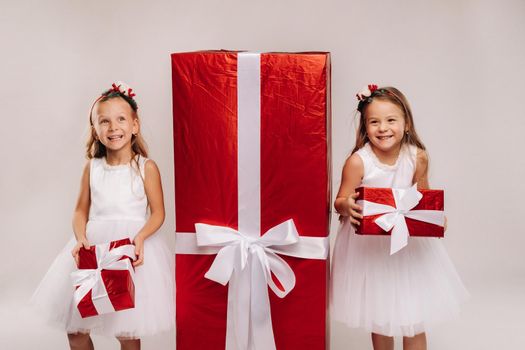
122, 88
366, 92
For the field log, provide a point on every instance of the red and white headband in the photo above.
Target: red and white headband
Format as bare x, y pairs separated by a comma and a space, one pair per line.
366, 92
123, 88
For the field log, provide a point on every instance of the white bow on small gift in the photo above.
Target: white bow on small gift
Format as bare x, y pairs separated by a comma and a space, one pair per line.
91, 279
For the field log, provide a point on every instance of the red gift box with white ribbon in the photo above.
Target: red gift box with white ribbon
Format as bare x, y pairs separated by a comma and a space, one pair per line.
252, 192
401, 213
104, 279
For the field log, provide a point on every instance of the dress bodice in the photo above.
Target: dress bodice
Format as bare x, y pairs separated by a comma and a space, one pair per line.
117, 191
398, 175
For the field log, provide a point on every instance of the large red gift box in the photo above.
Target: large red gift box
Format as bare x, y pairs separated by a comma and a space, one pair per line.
104, 279
431, 201
251, 139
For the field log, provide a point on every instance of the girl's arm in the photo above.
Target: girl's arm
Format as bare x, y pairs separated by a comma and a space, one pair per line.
421, 174
81, 213
153, 188
345, 205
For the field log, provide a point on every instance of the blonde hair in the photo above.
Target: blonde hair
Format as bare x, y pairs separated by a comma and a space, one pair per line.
95, 148
393, 95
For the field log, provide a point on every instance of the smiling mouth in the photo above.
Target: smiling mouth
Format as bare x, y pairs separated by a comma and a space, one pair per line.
115, 138
384, 137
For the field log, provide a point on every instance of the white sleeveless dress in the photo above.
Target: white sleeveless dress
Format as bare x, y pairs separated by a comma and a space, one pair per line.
118, 210
393, 295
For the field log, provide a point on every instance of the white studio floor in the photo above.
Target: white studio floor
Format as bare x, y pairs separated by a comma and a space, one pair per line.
493, 319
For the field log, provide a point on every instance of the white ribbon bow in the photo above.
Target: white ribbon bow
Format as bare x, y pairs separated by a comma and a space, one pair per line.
394, 218
247, 264
91, 279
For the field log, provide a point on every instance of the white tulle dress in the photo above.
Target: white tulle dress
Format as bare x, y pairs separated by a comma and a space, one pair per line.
393, 295
118, 210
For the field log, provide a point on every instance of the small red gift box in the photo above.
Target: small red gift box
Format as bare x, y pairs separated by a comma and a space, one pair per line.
104, 279
422, 220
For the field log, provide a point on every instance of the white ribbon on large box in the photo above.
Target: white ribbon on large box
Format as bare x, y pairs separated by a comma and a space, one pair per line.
91, 279
394, 218
246, 259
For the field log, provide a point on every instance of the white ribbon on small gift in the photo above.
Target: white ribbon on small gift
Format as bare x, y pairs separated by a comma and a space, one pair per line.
91, 279
246, 259
394, 218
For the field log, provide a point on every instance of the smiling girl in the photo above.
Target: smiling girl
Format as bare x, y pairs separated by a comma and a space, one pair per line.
389, 295
120, 197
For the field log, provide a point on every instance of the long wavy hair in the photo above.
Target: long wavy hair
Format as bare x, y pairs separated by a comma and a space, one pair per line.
95, 148
393, 95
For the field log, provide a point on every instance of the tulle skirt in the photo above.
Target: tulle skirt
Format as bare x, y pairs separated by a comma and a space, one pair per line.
154, 292
393, 295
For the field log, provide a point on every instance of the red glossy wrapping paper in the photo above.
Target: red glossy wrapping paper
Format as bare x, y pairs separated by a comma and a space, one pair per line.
432, 200
119, 283
295, 180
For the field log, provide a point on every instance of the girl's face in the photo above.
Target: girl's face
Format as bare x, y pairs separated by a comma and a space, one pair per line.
385, 125
114, 123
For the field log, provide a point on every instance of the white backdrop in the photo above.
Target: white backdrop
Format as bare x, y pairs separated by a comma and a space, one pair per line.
460, 63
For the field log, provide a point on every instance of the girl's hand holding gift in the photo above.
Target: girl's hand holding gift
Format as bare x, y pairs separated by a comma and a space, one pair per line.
351, 179
81, 243
138, 241
351, 209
